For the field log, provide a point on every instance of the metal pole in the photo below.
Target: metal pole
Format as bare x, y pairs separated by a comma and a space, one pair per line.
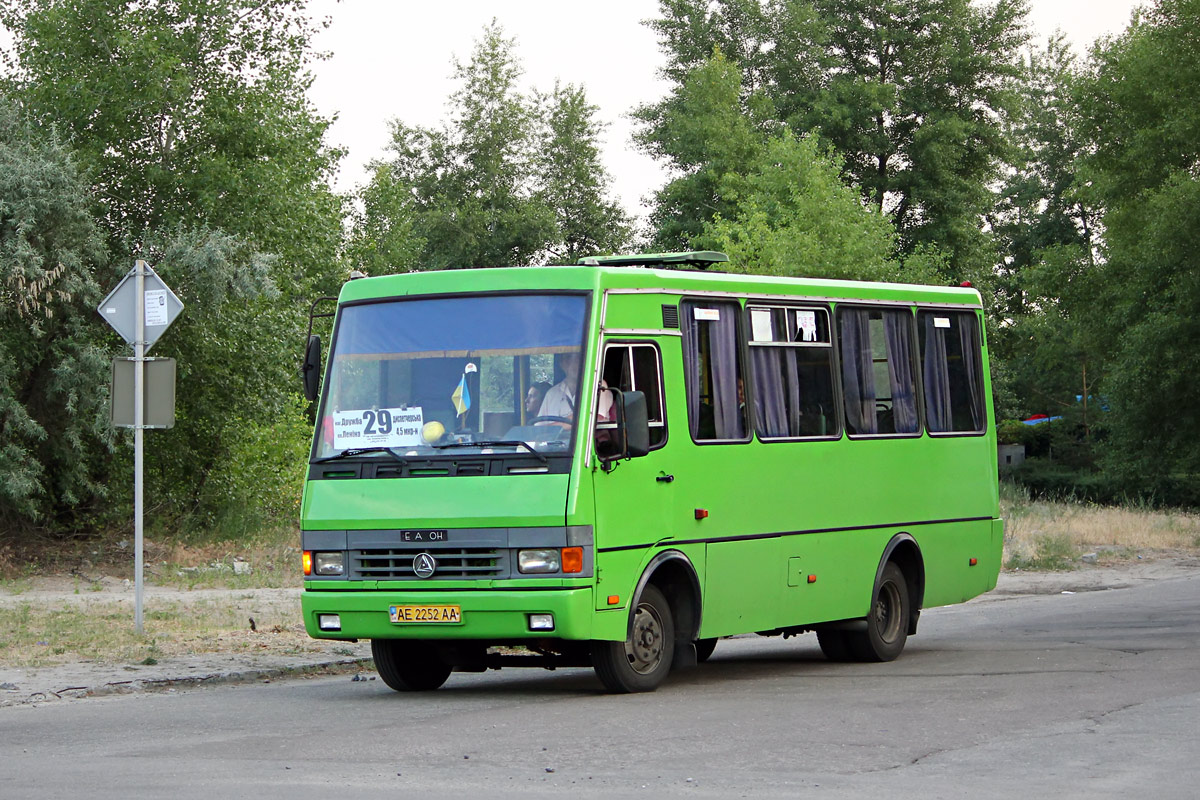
139, 366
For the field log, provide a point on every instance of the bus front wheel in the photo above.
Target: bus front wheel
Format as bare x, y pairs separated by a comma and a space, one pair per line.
887, 621
641, 662
408, 666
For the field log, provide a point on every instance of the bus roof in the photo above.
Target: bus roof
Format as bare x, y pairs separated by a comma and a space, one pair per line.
667, 281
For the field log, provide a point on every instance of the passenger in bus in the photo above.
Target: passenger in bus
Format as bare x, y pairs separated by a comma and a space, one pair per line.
560, 399
534, 398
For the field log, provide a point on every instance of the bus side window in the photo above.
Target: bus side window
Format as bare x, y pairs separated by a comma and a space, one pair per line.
877, 370
791, 368
713, 370
637, 368
950, 366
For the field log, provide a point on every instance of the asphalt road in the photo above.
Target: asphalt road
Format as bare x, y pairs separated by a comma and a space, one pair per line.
1087, 695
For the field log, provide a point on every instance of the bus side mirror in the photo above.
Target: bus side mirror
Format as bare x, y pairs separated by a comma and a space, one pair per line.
310, 372
636, 423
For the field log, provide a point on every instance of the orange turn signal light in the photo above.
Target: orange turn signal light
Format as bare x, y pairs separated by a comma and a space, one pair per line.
306, 557
572, 559
973, 561
613, 599
812, 578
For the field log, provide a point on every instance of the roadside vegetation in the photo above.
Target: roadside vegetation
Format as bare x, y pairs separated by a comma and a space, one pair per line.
1042, 534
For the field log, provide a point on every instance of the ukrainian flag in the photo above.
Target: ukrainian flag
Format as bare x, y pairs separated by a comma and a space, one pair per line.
462, 396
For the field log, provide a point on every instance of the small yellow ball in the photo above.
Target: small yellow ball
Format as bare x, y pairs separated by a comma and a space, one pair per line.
433, 431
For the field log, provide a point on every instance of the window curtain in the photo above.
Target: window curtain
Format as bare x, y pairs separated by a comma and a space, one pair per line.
897, 327
968, 340
936, 371
728, 417
776, 406
858, 380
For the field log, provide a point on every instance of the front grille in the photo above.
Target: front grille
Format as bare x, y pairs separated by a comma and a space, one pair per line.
452, 562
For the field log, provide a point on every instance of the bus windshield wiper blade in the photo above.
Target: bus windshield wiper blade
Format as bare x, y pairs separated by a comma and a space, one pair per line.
358, 451
495, 443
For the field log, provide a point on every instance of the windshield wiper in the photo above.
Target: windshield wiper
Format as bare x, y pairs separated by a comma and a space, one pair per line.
495, 443
358, 451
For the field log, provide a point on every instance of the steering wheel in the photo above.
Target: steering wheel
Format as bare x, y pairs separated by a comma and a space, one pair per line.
536, 420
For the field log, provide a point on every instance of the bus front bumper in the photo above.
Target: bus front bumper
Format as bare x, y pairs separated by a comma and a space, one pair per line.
483, 615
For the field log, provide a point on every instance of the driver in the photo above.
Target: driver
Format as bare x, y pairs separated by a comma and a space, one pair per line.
560, 398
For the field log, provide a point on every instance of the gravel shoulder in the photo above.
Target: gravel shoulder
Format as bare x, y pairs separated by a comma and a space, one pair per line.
268, 655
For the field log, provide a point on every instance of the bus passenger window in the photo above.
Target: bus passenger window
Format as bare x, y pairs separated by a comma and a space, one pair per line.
791, 365
950, 366
713, 369
877, 370
635, 367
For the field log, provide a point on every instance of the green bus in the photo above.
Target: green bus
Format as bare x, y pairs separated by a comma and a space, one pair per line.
615, 464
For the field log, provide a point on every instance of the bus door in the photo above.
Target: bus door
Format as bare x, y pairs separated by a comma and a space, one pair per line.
634, 498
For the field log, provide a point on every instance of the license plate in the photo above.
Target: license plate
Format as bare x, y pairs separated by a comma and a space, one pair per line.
402, 614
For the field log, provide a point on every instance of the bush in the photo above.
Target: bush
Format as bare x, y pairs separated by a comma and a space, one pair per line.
1056, 480
264, 479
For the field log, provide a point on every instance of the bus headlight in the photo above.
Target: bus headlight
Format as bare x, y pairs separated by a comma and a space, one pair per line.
538, 561
329, 563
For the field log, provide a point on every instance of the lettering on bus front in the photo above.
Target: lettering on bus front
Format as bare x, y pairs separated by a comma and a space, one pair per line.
423, 536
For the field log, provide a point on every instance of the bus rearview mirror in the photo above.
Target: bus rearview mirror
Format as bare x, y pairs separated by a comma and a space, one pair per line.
310, 372
637, 424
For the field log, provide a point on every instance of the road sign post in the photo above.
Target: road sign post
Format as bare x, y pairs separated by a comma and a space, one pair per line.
141, 308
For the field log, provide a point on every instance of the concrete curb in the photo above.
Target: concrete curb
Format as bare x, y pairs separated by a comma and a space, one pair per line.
74, 690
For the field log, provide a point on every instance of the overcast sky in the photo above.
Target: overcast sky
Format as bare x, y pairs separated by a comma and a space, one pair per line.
393, 59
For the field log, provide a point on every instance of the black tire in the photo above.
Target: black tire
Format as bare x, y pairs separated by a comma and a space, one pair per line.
834, 645
642, 662
704, 649
887, 621
408, 666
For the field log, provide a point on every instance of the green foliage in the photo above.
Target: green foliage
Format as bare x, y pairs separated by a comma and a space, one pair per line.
53, 416
1141, 111
261, 481
507, 180
190, 113
206, 158
911, 95
796, 217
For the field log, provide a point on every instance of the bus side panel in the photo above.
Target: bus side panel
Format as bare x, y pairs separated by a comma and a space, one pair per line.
742, 587
947, 550
841, 583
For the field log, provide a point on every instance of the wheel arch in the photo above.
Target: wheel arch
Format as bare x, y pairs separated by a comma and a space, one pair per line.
675, 576
903, 550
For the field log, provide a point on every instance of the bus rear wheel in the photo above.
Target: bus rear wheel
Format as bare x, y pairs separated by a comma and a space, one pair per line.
408, 666
641, 662
887, 621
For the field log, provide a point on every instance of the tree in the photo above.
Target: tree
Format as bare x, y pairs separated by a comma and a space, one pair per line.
505, 181
796, 217
191, 120
910, 94
54, 430
572, 181
188, 112
1046, 231
1141, 109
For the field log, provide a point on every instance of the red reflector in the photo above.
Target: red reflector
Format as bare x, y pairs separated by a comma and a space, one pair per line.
812, 578
701, 513
974, 561
613, 599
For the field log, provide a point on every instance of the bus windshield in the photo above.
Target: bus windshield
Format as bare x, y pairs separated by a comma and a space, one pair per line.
487, 374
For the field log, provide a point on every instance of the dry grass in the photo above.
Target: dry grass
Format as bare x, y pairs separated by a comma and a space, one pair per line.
100, 629
1052, 535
